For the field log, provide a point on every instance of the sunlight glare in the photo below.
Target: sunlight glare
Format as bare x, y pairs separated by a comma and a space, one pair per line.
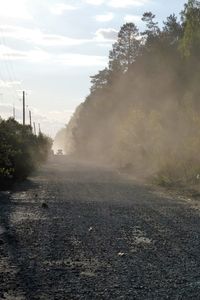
14, 9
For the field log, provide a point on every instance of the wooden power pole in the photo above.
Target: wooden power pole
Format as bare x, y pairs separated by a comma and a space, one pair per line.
30, 118
34, 127
24, 110
14, 111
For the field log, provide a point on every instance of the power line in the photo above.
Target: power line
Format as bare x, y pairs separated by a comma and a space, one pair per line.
8, 66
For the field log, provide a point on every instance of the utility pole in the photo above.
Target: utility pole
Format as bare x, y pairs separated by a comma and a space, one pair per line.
30, 118
34, 128
14, 111
24, 110
39, 128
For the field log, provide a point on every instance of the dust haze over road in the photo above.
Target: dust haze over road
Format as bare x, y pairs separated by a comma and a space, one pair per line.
102, 236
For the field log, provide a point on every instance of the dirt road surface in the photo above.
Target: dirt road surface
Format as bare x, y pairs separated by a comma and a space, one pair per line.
76, 231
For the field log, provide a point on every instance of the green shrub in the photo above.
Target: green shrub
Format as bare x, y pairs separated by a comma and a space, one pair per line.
21, 152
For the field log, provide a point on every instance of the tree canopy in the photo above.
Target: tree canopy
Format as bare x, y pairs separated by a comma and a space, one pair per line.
126, 49
143, 110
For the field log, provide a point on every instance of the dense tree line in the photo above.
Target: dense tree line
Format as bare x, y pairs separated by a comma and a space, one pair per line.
21, 152
142, 114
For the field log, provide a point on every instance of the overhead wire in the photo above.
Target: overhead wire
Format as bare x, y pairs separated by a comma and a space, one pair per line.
9, 70
7, 66
8, 62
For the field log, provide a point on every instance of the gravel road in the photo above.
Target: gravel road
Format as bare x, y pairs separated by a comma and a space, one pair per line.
76, 231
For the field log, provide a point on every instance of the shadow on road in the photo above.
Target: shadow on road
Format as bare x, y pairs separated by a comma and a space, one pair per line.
13, 282
100, 236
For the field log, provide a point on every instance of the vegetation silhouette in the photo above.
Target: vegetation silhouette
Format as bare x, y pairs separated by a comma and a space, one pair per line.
21, 152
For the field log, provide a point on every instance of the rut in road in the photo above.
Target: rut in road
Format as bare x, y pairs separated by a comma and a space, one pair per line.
100, 236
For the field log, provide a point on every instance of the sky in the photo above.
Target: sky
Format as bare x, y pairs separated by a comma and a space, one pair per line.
51, 48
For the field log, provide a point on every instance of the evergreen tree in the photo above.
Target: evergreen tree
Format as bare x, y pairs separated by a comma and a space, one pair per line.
172, 29
152, 28
100, 80
126, 49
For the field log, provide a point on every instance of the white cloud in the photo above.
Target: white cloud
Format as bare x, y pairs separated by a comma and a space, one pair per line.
40, 39
104, 18
36, 36
81, 60
35, 55
132, 18
9, 84
14, 9
126, 3
106, 34
7, 53
40, 56
105, 45
118, 3
59, 40
95, 2
6, 110
61, 8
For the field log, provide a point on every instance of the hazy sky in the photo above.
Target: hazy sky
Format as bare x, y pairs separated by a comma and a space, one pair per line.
50, 48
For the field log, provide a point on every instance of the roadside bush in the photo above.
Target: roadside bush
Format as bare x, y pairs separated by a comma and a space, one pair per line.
21, 152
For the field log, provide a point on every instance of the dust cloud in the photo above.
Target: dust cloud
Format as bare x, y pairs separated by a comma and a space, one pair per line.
142, 115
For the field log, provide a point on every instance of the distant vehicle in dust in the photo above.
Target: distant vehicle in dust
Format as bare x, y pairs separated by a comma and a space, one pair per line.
59, 152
